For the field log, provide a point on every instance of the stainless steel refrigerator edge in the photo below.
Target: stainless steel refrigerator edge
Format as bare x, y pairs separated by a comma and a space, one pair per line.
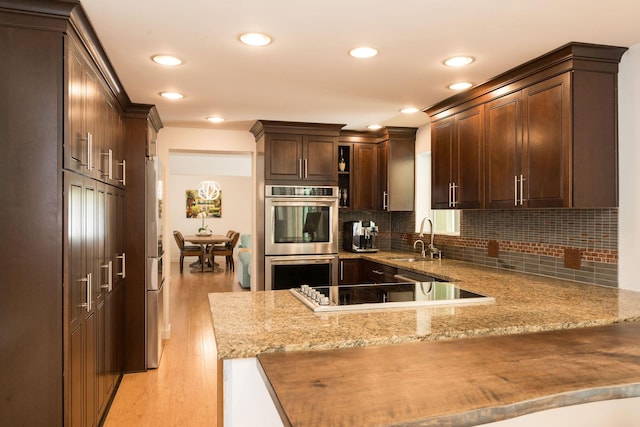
154, 252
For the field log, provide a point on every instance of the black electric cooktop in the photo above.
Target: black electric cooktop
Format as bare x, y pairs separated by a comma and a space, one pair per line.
387, 295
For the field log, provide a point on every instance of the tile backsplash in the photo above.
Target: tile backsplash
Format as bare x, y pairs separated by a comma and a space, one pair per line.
529, 240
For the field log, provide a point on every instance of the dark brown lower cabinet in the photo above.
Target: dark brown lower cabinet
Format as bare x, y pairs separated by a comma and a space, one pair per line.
350, 271
95, 304
373, 272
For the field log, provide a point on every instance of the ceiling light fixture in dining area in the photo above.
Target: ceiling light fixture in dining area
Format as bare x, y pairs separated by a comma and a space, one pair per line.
208, 190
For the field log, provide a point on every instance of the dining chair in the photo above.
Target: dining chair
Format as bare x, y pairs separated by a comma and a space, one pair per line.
189, 250
226, 250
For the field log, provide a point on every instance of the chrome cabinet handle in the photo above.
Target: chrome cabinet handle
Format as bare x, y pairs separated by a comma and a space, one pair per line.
300, 168
87, 292
124, 172
109, 173
89, 162
519, 200
109, 285
124, 262
385, 204
454, 199
341, 270
306, 169
377, 272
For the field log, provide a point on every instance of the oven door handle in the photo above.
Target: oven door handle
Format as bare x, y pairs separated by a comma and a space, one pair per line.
299, 260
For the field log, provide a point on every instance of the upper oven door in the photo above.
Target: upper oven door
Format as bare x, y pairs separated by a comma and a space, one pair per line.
301, 226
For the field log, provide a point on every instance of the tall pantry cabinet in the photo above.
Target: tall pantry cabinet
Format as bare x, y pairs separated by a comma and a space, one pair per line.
63, 194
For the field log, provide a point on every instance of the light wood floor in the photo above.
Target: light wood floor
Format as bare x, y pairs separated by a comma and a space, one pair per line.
182, 391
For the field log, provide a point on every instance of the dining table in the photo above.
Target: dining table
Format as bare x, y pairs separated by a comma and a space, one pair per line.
203, 241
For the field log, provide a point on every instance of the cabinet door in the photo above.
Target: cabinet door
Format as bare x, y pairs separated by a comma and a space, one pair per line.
547, 143
82, 276
402, 174
319, 159
373, 272
503, 139
383, 176
365, 184
350, 273
442, 133
283, 157
81, 154
467, 158
76, 144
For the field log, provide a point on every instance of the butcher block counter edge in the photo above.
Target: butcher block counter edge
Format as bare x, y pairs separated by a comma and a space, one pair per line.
462, 383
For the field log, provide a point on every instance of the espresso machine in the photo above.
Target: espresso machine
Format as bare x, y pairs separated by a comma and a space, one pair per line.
360, 236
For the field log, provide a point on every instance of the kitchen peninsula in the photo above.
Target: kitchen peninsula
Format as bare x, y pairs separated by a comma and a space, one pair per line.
249, 324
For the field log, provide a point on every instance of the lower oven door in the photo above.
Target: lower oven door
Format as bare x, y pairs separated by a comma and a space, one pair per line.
292, 271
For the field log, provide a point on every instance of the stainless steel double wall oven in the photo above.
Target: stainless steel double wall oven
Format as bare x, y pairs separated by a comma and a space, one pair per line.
301, 236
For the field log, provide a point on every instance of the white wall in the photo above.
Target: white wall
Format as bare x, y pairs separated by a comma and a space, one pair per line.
629, 172
236, 211
423, 174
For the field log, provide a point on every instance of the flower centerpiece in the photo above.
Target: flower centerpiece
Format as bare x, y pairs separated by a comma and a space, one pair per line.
204, 229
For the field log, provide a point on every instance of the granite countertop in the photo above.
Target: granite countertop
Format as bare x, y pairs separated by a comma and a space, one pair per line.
249, 323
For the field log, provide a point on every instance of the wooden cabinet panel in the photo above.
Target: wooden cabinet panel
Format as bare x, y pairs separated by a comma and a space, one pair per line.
83, 281
549, 129
82, 147
365, 184
503, 127
397, 170
75, 146
467, 160
350, 272
372, 272
441, 163
290, 157
547, 143
320, 159
283, 157
529, 146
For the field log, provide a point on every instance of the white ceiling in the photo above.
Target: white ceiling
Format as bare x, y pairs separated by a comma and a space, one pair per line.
306, 75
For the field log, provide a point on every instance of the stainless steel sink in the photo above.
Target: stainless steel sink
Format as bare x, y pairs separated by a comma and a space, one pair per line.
403, 259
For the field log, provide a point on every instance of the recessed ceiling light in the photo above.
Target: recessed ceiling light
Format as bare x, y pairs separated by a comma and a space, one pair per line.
215, 119
459, 61
363, 52
172, 95
460, 86
409, 110
374, 127
166, 60
255, 39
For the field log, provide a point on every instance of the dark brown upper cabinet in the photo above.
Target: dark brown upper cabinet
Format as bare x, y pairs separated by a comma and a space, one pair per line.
396, 163
549, 134
379, 169
298, 152
457, 144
